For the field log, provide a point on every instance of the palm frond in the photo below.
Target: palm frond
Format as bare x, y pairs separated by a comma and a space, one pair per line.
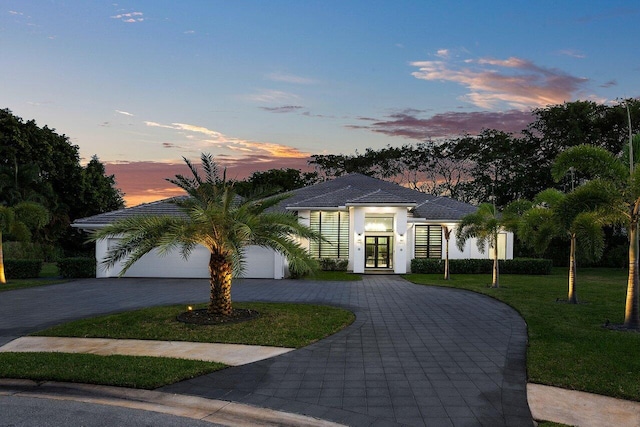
138, 236
595, 162
589, 235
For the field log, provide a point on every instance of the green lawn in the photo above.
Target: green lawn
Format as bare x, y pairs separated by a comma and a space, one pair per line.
568, 347
279, 325
116, 370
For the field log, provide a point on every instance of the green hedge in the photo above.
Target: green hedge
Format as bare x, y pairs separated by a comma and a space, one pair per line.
74, 268
482, 266
22, 268
333, 264
29, 250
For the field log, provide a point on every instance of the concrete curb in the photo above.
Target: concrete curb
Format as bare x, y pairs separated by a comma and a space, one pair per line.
213, 411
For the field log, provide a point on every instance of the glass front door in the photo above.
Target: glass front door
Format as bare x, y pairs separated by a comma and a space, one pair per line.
378, 252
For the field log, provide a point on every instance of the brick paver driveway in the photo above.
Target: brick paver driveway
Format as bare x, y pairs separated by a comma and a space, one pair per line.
415, 355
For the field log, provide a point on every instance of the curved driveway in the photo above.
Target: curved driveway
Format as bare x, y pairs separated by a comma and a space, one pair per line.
415, 355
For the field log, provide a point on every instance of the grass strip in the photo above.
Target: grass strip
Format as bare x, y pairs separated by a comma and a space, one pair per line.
568, 347
123, 371
279, 325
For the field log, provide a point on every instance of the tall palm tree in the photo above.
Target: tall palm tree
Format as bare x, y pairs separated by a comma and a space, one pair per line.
624, 184
19, 221
447, 235
484, 225
575, 216
215, 217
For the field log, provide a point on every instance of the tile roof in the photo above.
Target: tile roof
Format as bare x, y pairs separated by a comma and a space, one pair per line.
160, 207
348, 190
354, 189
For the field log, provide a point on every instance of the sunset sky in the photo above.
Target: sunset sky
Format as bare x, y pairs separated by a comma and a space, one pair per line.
265, 84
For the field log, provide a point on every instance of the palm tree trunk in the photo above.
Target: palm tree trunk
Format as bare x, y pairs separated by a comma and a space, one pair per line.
221, 273
447, 235
572, 297
631, 312
495, 282
3, 280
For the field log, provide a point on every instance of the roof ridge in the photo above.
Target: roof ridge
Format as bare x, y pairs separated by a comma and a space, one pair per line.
368, 194
321, 195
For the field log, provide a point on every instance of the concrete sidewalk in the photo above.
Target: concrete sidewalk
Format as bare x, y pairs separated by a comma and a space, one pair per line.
229, 354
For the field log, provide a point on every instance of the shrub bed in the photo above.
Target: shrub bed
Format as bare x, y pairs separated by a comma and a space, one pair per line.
75, 268
334, 264
22, 268
482, 266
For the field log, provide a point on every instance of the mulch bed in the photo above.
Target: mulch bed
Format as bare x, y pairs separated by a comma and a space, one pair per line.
203, 317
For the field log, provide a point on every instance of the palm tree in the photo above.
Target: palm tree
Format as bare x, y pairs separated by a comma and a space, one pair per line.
624, 207
18, 221
484, 225
574, 216
447, 235
215, 217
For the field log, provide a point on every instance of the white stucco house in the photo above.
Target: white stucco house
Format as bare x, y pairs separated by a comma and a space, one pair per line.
376, 225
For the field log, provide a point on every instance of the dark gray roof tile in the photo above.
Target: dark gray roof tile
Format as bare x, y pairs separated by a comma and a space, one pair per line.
351, 189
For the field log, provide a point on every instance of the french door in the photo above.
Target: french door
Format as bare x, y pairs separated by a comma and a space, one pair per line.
378, 252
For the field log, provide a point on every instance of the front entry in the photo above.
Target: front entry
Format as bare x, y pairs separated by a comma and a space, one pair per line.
378, 252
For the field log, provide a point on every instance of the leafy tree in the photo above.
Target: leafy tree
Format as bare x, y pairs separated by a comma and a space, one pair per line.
558, 127
384, 164
275, 181
99, 192
484, 225
19, 221
623, 182
37, 164
214, 217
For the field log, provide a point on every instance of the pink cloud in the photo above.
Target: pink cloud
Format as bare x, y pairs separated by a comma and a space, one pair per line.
204, 139
513, 82
408, 124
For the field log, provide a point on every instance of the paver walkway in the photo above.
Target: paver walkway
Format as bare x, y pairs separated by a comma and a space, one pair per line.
415, 355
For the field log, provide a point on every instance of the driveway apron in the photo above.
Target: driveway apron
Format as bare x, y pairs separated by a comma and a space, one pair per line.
416, 355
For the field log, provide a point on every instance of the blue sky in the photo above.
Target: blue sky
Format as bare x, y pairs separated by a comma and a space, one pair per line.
264, 84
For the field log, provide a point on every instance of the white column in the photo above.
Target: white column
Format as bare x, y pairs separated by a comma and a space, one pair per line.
357, 252
400, 247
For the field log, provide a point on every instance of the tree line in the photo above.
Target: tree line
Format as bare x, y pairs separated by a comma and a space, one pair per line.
40, 167
494, 166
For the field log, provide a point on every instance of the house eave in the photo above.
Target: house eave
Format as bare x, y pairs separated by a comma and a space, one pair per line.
316, 208
88, 227
382, 205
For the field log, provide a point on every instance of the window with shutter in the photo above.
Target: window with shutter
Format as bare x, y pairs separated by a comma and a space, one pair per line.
334, 227
428, 241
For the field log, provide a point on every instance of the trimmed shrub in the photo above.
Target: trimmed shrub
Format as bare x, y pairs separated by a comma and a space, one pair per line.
22, 268
334, 264
482, 266
75, 268
428, 265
